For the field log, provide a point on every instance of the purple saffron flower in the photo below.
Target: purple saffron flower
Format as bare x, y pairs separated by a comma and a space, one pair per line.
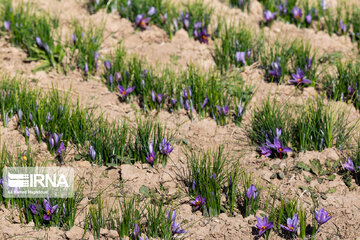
291, 224
173, 101
280, 148
299, 78
323, 5
342, 26
185, 19
198, 202
61, 149
136, 230
92, 152
186, 105
27, 132
265, 151
117, 77
322, 216
297, 13
308, 19
153, 96
349, 165
49, 117
269, 16
30, 117
74, 38
151, 157
107, 65
197, 25
152, 11
49, 209
35, 208
164, 18
223, 110
7, 25
51, 141
39, 42
86, 69
282, 8
36, 130
176, 229
165, 147
263, 225
159, 98
171, 215
275, 72
110, 80
20, 114
56, 138
252, 192
202, 35
205, 101
141, 21
124, 92
240, 57
308, 64
146, 238
248, 54
187, 93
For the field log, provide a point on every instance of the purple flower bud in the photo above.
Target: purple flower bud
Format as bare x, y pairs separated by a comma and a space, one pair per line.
117, 77
152, 11
92, 152
51, 141
27, 132
205, 102
240, 57
308, 19
164, 18
159, 98
20, 114
30, 117
39, 42
36, 130
269, 16
86, 69
153, 96
107, 65
342, 26
110, 80
297, 13
74, 39
173, 101
7, 25
60, 149
322, 216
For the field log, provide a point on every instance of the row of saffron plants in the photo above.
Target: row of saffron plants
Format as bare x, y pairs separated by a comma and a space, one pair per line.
43, 212
207, 94
292, 63
209, 178
315, 126
50, 117
194, 17
34, 33
288, 218
344, 84
37, 37
135, 217
341, 21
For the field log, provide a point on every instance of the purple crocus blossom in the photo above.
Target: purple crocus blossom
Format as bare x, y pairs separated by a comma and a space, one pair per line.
51, 141
173, 101
151, 157
142, 22
291, 224
198, 202
39, 42
185, 19
92, 152
280, 148
308, 19
349, 165
27, 132
107, 65
136, 230
7, 25
36, 130
202, 35
240, 57
30, 117
297, 13
159, 98
61, 149
176, 229
86, 69
275, 72
20, 114
252, 192
263, 225
323, 5
164, 18
110, 80
265, 151
152, 11
74, 38
308, 64
205, 101
165, 147
187, 93
299, 77
117, 77
124, 92
49, 209
240, 111
223, 110
269, 16
35, 208
342, 26
153, 96
322, 216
